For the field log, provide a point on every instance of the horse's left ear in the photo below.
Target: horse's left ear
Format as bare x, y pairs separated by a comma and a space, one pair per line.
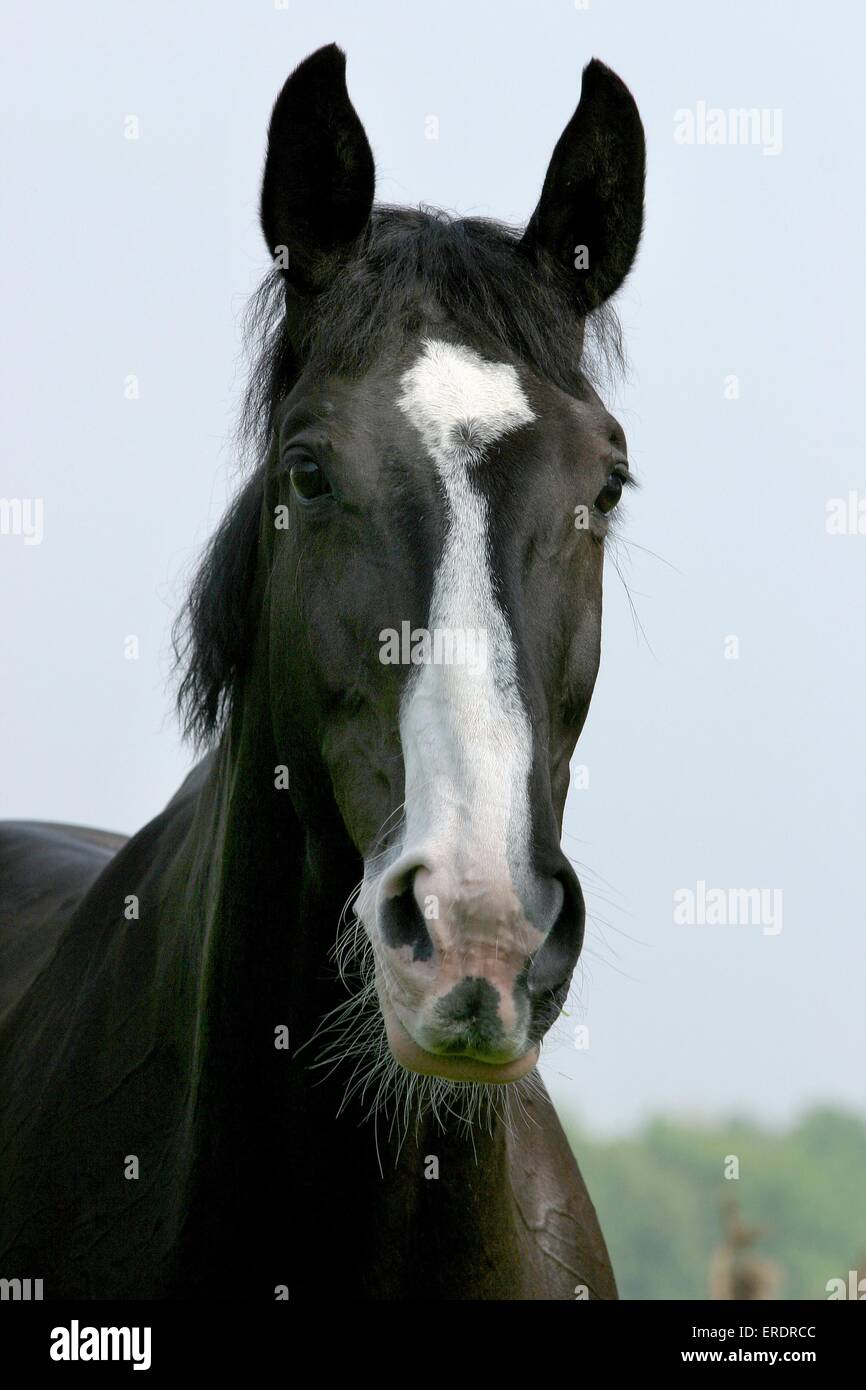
590, 214
319, 178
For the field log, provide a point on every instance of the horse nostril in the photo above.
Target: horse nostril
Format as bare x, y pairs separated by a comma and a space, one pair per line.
401, 923
554, 961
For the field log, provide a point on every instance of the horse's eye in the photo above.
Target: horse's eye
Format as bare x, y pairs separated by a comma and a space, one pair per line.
308, 480
610, 494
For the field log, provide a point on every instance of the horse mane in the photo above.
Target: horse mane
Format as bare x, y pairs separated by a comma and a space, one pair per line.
473, 272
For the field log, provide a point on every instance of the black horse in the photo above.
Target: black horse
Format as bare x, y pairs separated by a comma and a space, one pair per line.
390, 648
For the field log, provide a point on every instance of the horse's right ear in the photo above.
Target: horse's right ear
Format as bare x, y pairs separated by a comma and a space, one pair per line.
319, 180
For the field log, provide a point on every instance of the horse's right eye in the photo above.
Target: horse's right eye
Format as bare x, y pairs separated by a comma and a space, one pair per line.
610, 494
308, 480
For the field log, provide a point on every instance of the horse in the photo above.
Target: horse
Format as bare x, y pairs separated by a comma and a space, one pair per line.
283, 1041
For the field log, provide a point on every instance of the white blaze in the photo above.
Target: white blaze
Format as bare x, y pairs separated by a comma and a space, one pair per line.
467, 741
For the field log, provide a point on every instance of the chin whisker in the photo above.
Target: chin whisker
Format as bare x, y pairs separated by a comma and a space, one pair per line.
352, 1038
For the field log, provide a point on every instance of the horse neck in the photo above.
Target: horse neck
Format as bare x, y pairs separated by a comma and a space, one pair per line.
276, 890
272, 894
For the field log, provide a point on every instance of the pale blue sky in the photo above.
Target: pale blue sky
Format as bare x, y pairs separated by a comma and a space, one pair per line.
136, 257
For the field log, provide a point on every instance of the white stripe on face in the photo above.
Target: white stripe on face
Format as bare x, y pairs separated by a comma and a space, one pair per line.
466, 736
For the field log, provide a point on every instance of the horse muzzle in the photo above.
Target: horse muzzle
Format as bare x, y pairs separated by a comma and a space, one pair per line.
470, 972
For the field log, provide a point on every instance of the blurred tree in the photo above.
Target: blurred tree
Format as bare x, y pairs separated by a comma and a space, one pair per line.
658, 1191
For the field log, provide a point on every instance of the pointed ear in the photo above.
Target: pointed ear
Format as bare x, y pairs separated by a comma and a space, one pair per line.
590, 213
319, 178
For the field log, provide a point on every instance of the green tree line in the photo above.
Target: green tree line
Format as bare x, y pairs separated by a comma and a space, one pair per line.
659, 1194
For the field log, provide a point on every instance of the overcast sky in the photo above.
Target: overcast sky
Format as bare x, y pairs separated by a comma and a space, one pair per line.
725, 745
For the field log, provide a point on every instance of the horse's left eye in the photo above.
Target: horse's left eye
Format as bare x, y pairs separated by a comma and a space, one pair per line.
308, 480
610, 494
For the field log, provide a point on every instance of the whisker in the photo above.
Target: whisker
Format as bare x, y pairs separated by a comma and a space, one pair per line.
352, 1035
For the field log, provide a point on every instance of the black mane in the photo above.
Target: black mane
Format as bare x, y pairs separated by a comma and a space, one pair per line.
476, 274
